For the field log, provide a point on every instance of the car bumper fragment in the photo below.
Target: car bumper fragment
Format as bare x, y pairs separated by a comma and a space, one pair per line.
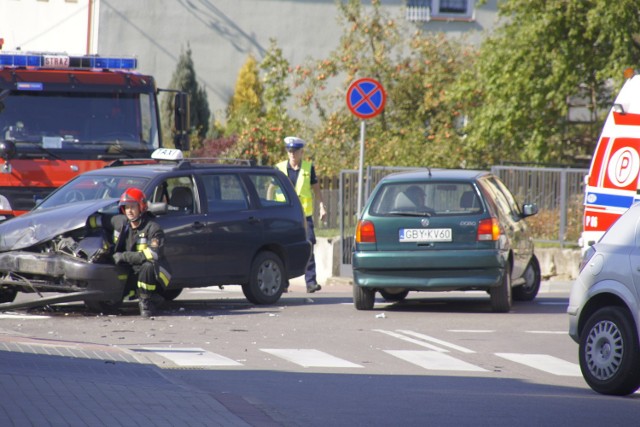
78, 279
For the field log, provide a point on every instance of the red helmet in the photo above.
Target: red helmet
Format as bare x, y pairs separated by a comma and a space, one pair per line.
133, 195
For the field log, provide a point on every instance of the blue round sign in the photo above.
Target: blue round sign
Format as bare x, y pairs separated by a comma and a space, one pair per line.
366, 98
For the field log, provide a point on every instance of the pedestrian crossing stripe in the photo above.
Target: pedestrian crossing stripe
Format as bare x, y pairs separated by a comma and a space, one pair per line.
436, 341
193, 357
424, 340
412, 340
310, 358
545, 362
435, 361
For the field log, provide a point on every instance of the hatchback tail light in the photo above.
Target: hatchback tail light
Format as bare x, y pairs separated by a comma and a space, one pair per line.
488, 230
365, 232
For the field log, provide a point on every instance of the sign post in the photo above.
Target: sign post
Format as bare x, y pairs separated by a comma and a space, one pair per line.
365, 99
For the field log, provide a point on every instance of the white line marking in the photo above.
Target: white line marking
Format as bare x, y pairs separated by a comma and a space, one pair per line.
23, 316
413, 341
437, 341
473, 331
191, 356
310, 358
434, 360
545, 362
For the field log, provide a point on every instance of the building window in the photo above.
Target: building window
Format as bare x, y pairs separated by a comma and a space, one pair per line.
427, 10
418, 10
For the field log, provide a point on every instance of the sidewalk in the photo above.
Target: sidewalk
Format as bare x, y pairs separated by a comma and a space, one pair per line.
45, 383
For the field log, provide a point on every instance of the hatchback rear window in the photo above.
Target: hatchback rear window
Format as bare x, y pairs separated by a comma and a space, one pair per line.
433, 198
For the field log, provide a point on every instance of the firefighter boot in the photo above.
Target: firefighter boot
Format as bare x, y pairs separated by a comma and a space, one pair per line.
147, 307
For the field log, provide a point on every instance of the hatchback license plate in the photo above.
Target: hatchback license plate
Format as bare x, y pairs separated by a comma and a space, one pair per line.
425, 235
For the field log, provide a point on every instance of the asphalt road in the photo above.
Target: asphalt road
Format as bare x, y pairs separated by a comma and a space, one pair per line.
313, 360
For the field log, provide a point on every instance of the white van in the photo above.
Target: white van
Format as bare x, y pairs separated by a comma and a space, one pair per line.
612, 186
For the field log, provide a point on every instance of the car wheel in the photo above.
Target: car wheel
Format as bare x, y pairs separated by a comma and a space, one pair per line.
501, 295
609, 352
531, 286
7, 294
266, 282
363, 298
171, 294
392, 294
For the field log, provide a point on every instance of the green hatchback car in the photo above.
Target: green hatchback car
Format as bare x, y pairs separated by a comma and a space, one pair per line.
444, 230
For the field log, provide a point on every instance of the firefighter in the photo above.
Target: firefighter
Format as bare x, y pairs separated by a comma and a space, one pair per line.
138, 243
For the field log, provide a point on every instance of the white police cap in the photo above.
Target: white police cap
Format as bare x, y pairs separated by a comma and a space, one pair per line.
293, 142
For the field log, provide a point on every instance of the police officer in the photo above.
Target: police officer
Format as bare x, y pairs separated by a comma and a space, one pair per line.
138, 244
303, 176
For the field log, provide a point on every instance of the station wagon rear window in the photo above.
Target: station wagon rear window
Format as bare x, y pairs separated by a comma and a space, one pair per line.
426, 198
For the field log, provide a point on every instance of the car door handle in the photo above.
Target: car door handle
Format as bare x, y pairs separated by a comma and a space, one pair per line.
197, 225
253, 220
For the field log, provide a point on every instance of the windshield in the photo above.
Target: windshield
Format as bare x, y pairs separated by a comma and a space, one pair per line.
91, 188
426, 199
79, 125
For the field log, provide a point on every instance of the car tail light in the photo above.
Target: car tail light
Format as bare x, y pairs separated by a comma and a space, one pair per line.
365, 232
488, 230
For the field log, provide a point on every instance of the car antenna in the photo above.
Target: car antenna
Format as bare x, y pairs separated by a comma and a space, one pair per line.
429, 169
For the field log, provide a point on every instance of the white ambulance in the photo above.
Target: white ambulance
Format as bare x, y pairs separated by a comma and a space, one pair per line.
611, 186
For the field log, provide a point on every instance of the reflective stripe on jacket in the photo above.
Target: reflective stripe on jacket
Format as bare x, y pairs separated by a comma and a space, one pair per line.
302, 185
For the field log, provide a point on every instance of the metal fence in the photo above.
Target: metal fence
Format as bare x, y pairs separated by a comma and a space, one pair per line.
558, 192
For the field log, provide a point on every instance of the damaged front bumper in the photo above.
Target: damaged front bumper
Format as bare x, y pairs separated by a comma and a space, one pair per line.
74, 278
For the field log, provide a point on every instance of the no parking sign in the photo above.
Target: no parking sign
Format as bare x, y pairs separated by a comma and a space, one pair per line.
366, 98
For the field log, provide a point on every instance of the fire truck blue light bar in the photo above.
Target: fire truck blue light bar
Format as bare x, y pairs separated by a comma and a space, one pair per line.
64, 61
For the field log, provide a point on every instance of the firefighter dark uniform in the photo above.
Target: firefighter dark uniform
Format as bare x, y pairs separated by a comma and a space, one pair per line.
139, 245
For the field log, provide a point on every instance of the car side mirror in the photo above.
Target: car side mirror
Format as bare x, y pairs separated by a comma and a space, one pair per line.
529, 209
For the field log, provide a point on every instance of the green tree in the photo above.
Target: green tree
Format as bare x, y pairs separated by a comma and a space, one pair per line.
258, 117
246, 103
184, 79
275, 69
542, 55
419, 122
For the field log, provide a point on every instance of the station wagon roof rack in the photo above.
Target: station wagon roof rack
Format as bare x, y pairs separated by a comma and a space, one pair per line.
172, 155
220, 161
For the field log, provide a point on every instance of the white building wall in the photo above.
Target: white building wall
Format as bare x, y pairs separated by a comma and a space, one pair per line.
48, 25
222, 33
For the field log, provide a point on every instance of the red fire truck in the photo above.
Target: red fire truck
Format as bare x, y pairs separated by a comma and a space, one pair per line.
63, 115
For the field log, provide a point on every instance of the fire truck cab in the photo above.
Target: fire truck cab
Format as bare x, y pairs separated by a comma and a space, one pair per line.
63, 115
612, 184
